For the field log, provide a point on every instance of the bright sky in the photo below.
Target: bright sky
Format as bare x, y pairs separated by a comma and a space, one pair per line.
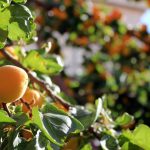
145, 19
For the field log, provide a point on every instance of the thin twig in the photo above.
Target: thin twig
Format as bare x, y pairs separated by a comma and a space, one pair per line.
34, 79
6, 109
26, 104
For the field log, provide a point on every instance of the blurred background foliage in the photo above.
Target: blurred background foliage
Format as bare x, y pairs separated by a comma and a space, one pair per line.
115, 58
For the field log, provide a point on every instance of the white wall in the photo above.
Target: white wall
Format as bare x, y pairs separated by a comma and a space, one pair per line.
132, 11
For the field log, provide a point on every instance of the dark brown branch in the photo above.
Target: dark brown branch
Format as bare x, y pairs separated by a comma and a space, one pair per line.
34, 79
26, 104
6, 109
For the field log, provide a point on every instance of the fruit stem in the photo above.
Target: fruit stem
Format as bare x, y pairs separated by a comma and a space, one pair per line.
26, 104
6, 109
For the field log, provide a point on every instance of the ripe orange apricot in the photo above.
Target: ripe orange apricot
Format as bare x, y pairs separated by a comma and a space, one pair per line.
32, 98
10, 50
59, 13
13, 83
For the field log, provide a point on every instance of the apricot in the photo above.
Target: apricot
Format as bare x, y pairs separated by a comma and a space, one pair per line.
10, 50
67, 3
32, 98
82, 41
59, 13
13, 83
26, 134
72, 144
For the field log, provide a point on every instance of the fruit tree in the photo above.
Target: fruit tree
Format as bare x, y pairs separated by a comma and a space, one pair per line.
34, 113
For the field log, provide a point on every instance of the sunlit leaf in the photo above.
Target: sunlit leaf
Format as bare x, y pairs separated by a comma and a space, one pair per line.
5, 119
21, 23
125, 119
140, 136
4, 3
38, 120
20, 1
55, 124
47, 65
87, 147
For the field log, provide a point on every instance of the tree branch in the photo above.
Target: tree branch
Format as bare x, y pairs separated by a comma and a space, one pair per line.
34, 79
6, 109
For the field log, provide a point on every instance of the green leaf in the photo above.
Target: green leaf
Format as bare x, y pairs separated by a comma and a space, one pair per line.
55, 124
5, 16
21, 118
38, 120
98, 104
4, 4
125, 119
76, 126
109, 142
47, 65
86, 117
14, 140
4, 21
87, 147
42, 142
39, 142
140, 136
5, 119
21, 23
130, 146
83, 115
3, 37
20, 1
16, 22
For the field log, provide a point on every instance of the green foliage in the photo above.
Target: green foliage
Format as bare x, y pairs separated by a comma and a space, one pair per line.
54, 123
21, 23
20, 1
85, 116
4, 4
3, 37
46, 65
4, 118
16, 22
109, 142
125, 119
139, 137
87, 147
